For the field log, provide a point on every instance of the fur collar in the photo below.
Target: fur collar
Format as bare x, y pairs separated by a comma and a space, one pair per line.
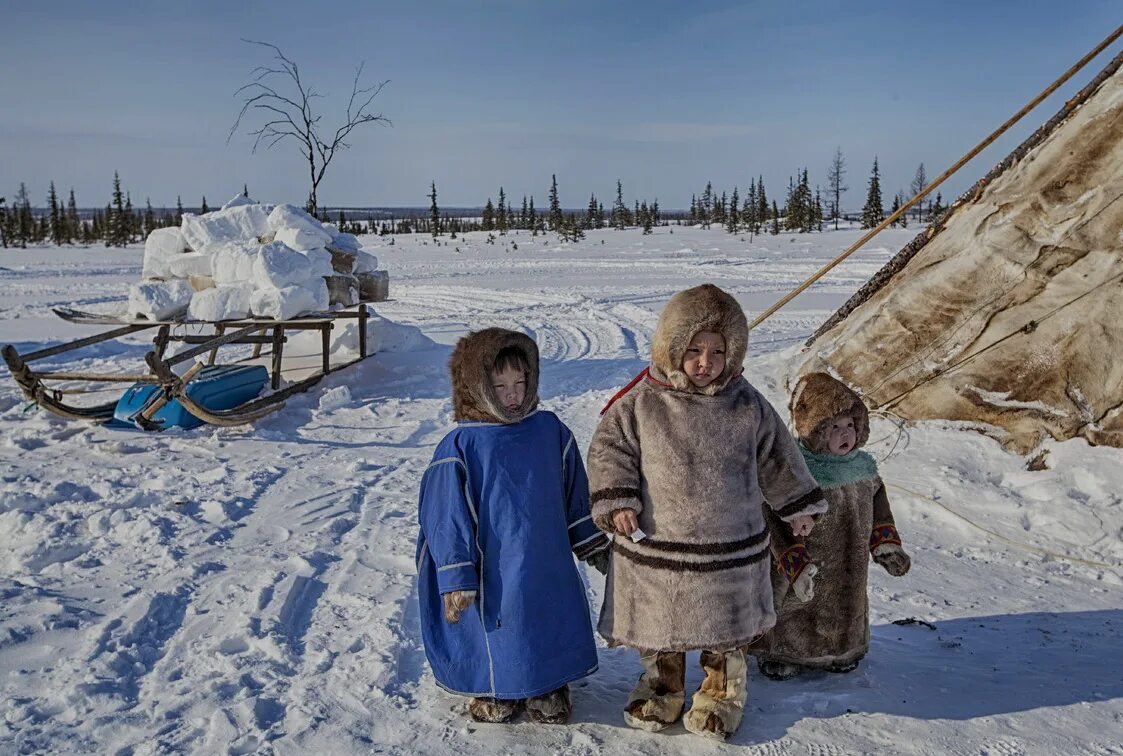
837, 470
473, 396
702, 308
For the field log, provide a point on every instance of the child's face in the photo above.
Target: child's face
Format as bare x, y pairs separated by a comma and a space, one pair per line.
510, 387
705, 358
843, 435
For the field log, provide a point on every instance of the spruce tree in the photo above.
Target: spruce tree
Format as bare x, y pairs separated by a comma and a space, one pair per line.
487, 223
836, 174
817, 213
149, 217
748, 211
762, 203
56, 217
245, 190
619, 209
807, 204
937, 207
591, 213
178, 210
874, 211
501, 212
73, 222
655, 211
5, 230
731, 218
524, 215
894, 208
555, 205
600, 215
203, 209
533, 217
645, 218
693, 210
116, 225
130, 219
510, 216
775, 219
434, 211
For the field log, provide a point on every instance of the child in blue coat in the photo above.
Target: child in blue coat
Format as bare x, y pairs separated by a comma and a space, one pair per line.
504, 507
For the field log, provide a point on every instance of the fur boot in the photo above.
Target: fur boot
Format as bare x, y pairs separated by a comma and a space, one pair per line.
552, 708
660, 694
719, 702
494, 710
778, 670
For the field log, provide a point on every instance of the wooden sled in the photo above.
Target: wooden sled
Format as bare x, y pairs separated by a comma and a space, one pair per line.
267, 337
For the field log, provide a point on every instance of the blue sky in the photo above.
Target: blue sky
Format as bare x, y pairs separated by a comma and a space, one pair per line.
663, 95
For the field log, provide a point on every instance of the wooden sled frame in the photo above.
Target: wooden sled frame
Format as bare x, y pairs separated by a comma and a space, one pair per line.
258, 332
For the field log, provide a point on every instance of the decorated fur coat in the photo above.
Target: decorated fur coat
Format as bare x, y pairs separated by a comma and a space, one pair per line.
504, 507
832, 629
699, 467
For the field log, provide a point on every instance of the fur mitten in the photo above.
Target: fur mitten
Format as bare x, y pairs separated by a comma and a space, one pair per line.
796, 565
456, 602
598, 560
886, 549
893, 558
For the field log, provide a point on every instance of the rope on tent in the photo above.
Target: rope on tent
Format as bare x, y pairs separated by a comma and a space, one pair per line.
939, 179
1004, 539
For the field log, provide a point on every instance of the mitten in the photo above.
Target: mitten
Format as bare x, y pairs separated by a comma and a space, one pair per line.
598, 560
886, 549
796, 565
456, 602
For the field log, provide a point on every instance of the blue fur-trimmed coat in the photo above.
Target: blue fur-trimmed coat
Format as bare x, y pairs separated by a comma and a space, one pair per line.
503, 508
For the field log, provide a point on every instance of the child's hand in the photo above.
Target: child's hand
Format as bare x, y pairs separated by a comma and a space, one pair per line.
802, 525
804, 585
625, 521
456, 602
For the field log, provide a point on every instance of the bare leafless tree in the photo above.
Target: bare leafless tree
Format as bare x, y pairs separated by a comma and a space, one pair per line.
285, 101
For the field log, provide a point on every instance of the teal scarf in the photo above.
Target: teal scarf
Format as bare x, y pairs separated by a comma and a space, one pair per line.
837, 470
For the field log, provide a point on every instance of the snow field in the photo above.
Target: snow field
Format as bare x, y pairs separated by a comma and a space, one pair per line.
252, 590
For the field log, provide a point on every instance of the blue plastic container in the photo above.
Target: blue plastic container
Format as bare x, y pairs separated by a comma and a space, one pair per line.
215, 387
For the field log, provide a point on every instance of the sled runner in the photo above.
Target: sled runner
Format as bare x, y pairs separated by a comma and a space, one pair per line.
219, 394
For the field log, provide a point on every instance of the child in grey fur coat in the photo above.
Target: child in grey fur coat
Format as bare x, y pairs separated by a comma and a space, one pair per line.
691, 455
830, 629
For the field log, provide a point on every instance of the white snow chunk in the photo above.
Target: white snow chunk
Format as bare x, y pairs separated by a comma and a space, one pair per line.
282, 304
335, 398
228, 302
204, 233
365, 262
382, 336
278, 266
238, 201
302, 239
161, 247
320, 259
159, 300
346, 242
191, 264
234, 262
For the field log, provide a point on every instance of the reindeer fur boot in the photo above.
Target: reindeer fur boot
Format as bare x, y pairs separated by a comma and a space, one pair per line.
660, 694
551, 708
719, 702
494, 710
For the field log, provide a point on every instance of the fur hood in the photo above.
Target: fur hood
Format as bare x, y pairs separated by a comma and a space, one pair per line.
473, 396
702, 308
819, 398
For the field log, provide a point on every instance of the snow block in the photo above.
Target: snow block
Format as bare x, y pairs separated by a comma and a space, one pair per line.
322, 261
229, 302
278, 266
204, 233
234, 262
345, 243
191, 264
215, 387
365, 262
160, 248
159, 300
238, 201
297, 228
282, 304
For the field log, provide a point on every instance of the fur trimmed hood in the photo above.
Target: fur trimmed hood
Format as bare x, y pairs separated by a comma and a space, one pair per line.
473, 396
702, 308
819, 398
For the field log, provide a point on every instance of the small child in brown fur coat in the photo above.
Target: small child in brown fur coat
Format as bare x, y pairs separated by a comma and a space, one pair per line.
831, 629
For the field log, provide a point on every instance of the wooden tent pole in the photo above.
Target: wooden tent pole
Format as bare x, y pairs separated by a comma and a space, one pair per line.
939, 179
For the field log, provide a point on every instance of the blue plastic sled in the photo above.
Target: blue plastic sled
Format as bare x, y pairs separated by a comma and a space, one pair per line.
215, 387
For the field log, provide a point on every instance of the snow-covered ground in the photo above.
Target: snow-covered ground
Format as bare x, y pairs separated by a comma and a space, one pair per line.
252, 590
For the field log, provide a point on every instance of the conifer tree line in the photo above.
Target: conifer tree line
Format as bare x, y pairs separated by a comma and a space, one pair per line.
805, 208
